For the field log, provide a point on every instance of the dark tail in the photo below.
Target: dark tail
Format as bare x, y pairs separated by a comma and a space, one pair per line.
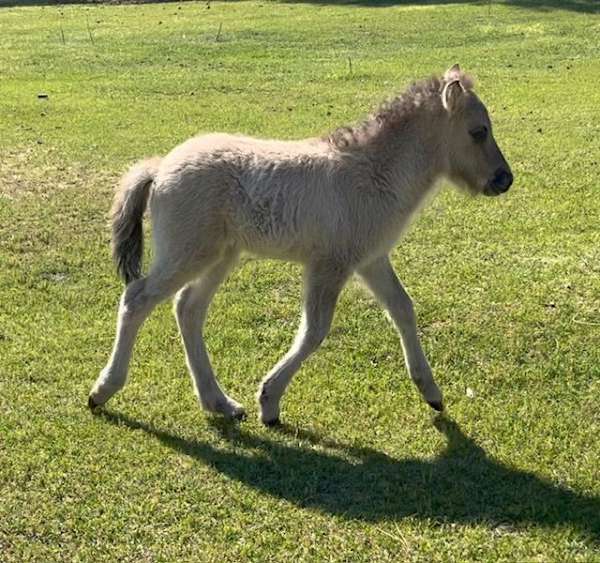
127, 213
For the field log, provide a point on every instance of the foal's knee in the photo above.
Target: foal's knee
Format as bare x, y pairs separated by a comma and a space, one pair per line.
187, 309
181, 305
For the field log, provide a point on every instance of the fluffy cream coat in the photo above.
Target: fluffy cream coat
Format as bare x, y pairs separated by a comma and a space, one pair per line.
336, 204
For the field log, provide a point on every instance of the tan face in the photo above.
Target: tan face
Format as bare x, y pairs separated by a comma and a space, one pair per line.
475, 160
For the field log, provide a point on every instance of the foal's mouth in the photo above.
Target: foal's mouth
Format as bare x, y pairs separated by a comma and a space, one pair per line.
493, 191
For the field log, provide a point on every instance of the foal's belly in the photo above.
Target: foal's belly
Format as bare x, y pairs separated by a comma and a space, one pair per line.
278, 249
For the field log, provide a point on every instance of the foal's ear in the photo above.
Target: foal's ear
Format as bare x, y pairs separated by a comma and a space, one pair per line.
451, 94
453, 73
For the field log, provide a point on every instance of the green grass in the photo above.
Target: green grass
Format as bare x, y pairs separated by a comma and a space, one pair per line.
507, 292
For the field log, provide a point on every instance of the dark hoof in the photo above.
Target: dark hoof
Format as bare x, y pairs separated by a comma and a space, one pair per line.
436, 405
92, 405
272, 423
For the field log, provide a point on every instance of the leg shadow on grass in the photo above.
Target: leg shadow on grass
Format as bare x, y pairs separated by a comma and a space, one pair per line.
461, 485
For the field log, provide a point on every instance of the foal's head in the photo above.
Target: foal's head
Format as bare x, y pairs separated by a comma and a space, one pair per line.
475, 161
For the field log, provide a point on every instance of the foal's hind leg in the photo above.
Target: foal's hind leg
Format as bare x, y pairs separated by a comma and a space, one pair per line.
323, 284
137, 301
385, 285
191, 307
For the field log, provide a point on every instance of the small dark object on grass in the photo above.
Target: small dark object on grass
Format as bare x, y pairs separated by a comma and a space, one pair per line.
42, 96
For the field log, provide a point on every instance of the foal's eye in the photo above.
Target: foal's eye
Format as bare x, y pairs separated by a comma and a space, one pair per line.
479, 134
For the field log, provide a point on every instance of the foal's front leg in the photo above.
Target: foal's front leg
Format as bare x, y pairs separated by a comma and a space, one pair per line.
381, 279
322, 287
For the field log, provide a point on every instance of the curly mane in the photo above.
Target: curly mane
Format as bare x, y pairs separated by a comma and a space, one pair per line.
424, 94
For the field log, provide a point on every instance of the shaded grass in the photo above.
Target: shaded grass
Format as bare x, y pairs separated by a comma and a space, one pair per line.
507, 293
442, 489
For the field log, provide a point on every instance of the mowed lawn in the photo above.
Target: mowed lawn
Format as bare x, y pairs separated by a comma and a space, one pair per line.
507, 292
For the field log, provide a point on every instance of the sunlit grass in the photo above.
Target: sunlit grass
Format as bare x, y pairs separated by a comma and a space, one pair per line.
507, 293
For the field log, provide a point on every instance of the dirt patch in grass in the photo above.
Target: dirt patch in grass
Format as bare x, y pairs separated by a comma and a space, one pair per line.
37, 171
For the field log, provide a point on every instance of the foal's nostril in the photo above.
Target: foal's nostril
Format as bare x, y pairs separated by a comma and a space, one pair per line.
503, 179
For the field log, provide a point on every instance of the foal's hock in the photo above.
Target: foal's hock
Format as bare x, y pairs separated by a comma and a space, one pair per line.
336, 204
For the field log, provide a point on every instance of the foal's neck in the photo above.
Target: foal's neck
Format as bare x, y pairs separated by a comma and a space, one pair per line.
409, 155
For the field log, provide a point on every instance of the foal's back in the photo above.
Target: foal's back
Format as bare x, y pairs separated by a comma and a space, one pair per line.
283, 199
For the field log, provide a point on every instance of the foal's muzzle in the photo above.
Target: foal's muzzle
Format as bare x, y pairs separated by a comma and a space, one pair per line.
500, 183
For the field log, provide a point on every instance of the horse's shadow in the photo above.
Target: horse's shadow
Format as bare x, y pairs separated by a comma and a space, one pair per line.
461, 485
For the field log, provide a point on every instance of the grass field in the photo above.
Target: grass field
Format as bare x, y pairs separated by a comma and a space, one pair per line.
507, 292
